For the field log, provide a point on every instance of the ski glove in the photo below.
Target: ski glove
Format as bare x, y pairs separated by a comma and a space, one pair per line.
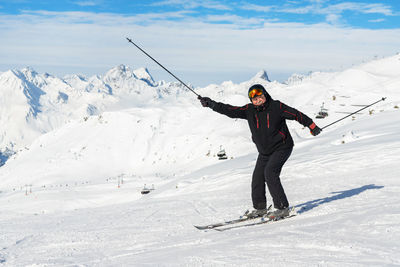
206, 102
314, 129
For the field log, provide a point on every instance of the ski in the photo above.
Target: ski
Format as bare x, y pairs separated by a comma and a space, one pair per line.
262, 221
242, 218
215, 225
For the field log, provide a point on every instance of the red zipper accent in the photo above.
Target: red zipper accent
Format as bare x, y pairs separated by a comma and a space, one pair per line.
258, 125
268, 120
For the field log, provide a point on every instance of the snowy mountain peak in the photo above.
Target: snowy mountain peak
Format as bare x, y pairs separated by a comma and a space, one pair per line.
75, 76
29, 71
120, 71
78, 82
29, 75
262, 74
26, 80
144, 74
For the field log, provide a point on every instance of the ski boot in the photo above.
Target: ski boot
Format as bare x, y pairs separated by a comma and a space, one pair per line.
278, 214
256, 213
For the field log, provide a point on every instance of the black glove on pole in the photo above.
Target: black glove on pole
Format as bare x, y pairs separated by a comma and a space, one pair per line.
206, 102
314, 129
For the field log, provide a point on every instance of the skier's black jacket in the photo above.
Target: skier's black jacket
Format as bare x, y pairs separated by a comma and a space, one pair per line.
267, 122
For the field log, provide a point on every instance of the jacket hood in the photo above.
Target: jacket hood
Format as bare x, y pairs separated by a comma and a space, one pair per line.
259, 86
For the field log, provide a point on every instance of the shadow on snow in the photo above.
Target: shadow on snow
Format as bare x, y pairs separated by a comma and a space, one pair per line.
304, 207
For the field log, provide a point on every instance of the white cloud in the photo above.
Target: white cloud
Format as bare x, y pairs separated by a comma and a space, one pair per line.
298, 10
236, 21
333, 18
376, 20
199, 51
333, 12
79, 17
258, 8
318, 1
189, 4
357, 7
85, 3
378, 9
318, 7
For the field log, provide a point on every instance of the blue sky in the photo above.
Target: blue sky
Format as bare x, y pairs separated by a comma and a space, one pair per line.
383, 14
203, 41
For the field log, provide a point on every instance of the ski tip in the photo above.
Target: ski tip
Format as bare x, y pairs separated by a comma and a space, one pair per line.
202, 227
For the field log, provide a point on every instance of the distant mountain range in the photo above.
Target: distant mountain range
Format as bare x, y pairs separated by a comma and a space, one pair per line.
32, 104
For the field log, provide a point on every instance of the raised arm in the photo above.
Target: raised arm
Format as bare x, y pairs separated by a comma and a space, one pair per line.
225, 109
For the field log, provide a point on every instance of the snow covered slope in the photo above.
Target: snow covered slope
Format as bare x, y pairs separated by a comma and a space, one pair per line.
32, 104
72, 196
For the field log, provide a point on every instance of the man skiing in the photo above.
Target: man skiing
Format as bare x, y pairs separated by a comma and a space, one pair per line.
267, 122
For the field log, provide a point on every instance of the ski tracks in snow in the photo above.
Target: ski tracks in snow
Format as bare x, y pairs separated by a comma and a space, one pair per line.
18, 245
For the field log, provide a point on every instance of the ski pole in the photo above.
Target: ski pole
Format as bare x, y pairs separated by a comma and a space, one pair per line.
130, 40
383, 99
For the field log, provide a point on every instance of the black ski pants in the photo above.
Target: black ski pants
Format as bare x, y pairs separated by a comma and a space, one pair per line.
267, 170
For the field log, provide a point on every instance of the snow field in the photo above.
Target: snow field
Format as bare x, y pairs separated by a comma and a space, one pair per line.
85, 208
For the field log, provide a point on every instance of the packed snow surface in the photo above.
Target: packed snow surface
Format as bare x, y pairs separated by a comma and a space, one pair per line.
80, 150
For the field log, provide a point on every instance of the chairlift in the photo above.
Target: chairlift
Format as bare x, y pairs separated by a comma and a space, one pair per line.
146, 190
322, 113
222, 154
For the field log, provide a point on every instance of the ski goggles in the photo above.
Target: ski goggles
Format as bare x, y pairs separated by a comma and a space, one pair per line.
255, 92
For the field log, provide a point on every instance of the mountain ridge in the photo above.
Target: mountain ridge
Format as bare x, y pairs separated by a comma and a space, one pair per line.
46, 102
